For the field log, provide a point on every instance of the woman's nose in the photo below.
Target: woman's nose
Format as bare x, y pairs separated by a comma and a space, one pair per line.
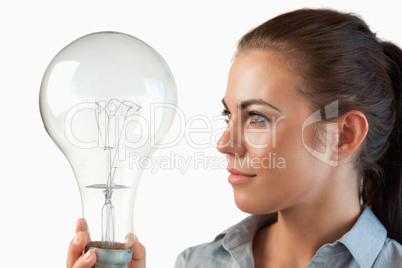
231, 141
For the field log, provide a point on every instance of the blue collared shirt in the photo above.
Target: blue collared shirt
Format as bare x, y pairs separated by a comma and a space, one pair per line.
365, 245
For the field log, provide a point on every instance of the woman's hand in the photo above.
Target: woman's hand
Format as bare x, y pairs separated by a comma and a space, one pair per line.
75, 258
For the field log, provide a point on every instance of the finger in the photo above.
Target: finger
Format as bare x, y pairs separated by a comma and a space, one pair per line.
81, 225
77, 245
86, 261
138, 259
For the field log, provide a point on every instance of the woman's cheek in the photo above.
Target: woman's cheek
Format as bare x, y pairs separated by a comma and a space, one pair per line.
259, 139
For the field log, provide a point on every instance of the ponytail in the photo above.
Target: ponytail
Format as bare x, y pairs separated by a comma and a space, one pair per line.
387, 204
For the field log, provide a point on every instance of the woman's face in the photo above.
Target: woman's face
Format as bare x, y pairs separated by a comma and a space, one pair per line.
270, 168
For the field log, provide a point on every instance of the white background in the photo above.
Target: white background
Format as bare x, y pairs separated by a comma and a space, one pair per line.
39, 198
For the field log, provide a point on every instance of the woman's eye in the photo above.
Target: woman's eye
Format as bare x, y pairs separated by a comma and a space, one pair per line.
257, 118
227, 115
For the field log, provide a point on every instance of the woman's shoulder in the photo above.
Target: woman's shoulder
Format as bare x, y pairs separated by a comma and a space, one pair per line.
231, 248
211, 254
390, 254
368, 244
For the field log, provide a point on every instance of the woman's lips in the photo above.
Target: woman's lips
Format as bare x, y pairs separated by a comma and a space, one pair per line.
237, 177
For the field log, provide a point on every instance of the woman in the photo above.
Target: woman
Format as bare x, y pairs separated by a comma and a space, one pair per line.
318, 92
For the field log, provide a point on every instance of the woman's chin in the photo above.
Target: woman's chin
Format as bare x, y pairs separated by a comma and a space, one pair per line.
252, 205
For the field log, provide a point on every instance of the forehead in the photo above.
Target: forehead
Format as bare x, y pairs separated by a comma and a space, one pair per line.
262, 75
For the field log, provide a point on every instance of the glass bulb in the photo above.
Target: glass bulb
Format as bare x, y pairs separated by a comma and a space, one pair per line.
105, 98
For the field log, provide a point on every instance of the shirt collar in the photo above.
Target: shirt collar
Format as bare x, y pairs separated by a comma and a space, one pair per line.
366, 238
238, 239
364, 241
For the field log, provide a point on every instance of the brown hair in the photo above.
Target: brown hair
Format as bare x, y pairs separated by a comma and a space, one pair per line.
340, 59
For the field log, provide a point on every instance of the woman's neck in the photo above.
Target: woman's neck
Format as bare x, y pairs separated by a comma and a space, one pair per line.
302, 229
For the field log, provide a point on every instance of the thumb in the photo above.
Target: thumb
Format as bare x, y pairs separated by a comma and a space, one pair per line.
138, 259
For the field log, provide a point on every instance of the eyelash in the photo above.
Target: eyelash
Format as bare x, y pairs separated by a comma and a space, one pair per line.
263, 120
227, 114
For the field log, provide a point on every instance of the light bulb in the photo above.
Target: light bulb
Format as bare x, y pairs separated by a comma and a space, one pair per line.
106, 97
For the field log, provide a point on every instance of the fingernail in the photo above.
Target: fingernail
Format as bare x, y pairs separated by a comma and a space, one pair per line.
87, 256
136, 240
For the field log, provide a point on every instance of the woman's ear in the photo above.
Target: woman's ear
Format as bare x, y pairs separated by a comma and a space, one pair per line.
353, 127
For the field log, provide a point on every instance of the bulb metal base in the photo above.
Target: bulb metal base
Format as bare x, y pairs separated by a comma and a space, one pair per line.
112, 258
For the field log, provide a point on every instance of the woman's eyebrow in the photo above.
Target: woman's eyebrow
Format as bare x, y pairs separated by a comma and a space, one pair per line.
244, 104
224, 104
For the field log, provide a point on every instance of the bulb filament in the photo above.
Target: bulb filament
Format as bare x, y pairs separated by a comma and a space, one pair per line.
108, 218
107, 114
